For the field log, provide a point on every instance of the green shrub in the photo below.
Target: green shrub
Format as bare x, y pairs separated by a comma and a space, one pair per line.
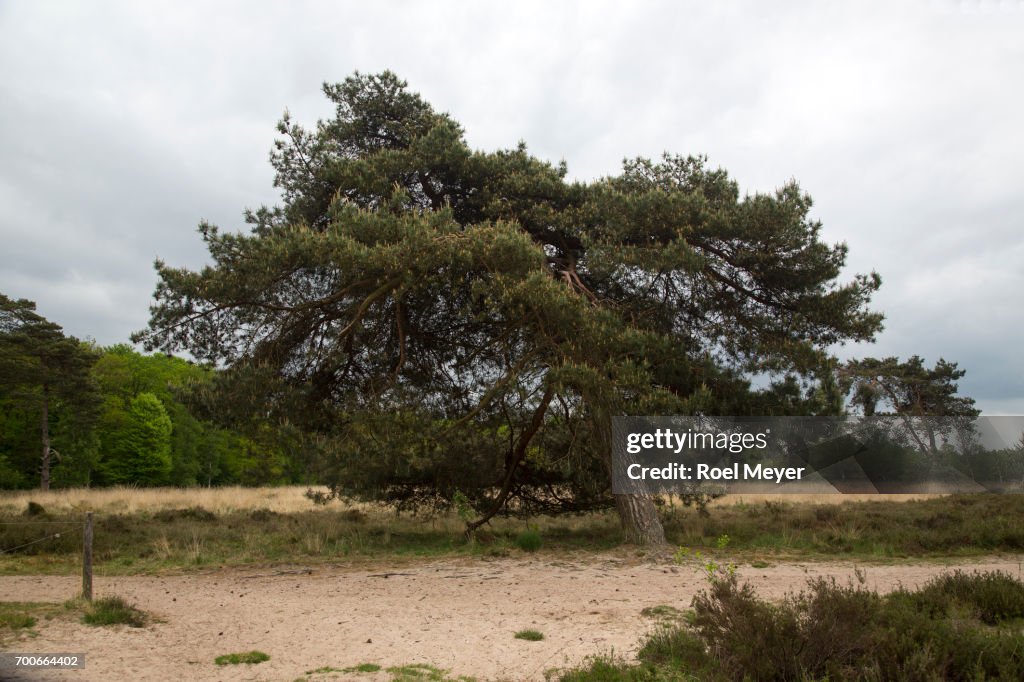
675, 647
262, 515
113, 611
248, 657
837, 632
530, 635
191, 514
992, 596
35, 509
529, 541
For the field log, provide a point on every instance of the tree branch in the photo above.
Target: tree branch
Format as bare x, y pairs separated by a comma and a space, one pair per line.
517, 457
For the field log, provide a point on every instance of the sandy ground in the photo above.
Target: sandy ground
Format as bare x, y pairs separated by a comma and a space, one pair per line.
458, 615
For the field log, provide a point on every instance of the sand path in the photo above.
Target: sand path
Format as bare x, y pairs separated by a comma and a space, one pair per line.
458, 615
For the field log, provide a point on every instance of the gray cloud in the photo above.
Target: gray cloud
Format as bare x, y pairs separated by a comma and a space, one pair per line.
122, 125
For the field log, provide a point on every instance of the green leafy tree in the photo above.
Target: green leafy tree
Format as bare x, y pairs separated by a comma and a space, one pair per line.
123, 374
41, 369
412, 295
137, 443
201, 452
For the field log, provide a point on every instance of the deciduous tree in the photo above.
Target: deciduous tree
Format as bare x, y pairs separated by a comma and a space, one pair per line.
137, 443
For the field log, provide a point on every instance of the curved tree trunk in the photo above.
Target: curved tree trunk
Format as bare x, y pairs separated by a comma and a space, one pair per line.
640, 522
637, 513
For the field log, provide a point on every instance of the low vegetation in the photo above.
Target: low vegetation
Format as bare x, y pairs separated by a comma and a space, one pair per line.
113, 611
530, 635
14, 619
134, 500
529, 541
362, 668
155, 537
662, 612
421, 672
959, 626
247, 657
20, 620
415, 672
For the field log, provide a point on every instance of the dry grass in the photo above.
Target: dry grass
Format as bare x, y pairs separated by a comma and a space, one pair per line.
291, 499
128, 500
817, 498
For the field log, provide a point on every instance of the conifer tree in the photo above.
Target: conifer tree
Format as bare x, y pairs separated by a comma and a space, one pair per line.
39, 364
888, 387
414, 304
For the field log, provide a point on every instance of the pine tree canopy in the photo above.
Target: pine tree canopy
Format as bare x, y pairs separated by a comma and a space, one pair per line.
35, 351
446, 319
906, 388
39, 366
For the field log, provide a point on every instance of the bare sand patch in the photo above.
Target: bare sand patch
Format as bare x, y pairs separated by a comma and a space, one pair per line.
459, 615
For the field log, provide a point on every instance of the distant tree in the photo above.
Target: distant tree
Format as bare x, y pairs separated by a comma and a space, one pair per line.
201, 452
40, 365
415, 299
137, 443
888, 386
909, 389
123, 374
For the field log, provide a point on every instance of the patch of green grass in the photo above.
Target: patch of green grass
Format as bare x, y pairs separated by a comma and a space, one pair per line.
113, 611
529, 541
530, 635
16, 616
363, 668
662, 611
955, 525
247, 657
16, 621
419, 672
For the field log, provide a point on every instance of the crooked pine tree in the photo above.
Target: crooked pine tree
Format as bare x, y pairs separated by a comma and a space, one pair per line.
444, 322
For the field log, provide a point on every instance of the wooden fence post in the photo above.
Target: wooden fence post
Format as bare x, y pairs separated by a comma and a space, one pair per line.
87, 559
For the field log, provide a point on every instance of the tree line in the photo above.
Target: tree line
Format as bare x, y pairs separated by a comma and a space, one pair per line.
75, 414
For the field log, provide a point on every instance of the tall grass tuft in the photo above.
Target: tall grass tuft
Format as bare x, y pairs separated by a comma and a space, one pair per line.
113, 611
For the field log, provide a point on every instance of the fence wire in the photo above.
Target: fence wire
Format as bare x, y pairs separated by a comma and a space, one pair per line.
52, 536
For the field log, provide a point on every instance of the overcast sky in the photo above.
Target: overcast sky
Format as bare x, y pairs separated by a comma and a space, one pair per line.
122, 125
